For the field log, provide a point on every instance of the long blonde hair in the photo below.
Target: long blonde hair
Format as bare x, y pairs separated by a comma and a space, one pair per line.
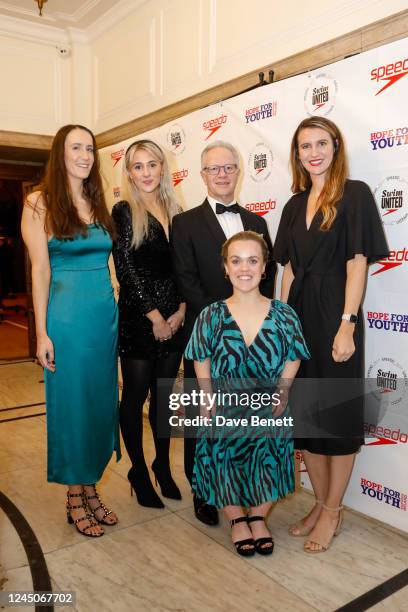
166, 195
333, 189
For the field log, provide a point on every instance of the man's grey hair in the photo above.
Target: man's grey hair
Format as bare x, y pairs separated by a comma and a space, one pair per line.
217, 144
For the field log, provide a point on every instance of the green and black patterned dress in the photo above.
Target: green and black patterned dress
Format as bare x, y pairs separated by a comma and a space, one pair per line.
244, 465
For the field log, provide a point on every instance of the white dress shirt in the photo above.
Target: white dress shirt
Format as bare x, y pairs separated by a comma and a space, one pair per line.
230, 222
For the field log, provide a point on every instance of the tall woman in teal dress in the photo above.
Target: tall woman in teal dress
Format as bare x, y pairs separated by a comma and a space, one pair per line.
67, 230
251, 344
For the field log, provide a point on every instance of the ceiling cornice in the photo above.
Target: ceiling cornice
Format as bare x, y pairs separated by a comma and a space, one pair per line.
52, 16
80, 13
49, 34
35, 32
8, 6
113, 16
77, 35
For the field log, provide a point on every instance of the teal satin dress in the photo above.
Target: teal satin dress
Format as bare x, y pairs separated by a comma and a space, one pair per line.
82, 394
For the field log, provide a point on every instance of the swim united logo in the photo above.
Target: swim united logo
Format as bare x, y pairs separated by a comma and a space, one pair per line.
260, 162
387, 381
391, 196
176, 139
320, 95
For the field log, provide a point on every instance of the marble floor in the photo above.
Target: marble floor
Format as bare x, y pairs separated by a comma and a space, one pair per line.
162, 560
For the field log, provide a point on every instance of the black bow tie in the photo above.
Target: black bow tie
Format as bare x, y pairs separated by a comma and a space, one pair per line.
220, 208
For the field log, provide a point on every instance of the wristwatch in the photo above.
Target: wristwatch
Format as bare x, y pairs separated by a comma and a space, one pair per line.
349, 317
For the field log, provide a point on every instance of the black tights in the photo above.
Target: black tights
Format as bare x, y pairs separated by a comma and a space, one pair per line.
139, 377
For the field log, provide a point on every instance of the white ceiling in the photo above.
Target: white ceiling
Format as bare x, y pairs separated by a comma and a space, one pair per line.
59, 13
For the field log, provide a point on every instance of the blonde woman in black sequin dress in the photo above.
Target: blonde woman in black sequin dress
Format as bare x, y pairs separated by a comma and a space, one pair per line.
150, 313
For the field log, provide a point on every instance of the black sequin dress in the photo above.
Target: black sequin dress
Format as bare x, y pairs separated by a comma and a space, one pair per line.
147, 282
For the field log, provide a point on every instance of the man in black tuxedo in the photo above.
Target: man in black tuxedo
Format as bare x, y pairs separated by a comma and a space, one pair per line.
196, 240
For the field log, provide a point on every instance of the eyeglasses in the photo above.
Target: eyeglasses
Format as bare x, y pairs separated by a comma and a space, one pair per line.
214, 170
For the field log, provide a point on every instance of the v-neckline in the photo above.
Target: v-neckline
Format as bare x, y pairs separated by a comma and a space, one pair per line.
161, 225
313, 218
248, 346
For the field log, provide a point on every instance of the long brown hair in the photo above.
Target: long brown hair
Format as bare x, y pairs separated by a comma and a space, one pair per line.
333, 189
61, 216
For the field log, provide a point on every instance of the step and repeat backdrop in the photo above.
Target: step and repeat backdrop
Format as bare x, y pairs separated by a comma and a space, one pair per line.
366, 95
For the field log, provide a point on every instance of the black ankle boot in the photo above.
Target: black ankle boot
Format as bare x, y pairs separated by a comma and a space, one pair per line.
164, 478
141, 484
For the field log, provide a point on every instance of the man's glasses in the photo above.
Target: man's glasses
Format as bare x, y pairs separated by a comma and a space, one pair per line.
214, 170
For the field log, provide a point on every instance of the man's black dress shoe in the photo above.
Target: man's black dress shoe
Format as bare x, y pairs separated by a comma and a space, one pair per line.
204, 512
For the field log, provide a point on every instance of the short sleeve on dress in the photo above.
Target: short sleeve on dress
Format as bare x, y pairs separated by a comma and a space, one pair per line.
199, 345
280, 249
297, 346
365, 232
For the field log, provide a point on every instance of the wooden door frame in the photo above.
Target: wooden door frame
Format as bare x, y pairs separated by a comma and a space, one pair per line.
27, 176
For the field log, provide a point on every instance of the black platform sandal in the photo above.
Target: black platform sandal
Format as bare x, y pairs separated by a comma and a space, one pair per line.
263, 546
101, 506
88, 517
245, 548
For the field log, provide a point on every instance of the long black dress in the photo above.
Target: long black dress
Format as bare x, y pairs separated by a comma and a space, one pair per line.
147, 282
319, 259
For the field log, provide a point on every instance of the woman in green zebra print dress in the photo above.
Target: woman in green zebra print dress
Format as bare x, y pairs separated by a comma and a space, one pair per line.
250, 344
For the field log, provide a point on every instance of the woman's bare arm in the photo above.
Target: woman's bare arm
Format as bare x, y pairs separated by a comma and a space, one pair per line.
36, 241
287, 279
285, 382
343, 344
203, 374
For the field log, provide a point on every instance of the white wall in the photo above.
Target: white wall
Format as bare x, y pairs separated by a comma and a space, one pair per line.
35, 86
145, 55
45, 76
171, 49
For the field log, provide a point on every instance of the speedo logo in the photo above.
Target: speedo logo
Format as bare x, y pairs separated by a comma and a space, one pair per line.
384, 435
300, 461
116, 156
390, 73
261, 208
179, 176
213, 125
394, 259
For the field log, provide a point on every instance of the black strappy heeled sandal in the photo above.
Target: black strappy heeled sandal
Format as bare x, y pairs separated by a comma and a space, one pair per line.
88, 517
101, 506
263, 546
245, 548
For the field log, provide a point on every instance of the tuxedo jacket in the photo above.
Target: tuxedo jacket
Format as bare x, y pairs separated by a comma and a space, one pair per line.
196, 240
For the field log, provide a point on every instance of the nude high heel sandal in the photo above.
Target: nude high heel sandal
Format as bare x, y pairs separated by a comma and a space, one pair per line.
299, 529
325, 545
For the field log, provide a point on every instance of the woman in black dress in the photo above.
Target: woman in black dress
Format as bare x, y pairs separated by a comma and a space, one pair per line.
150, 313
329, 232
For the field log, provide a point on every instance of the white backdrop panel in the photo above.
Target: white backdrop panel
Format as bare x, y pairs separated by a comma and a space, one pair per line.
366, 96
